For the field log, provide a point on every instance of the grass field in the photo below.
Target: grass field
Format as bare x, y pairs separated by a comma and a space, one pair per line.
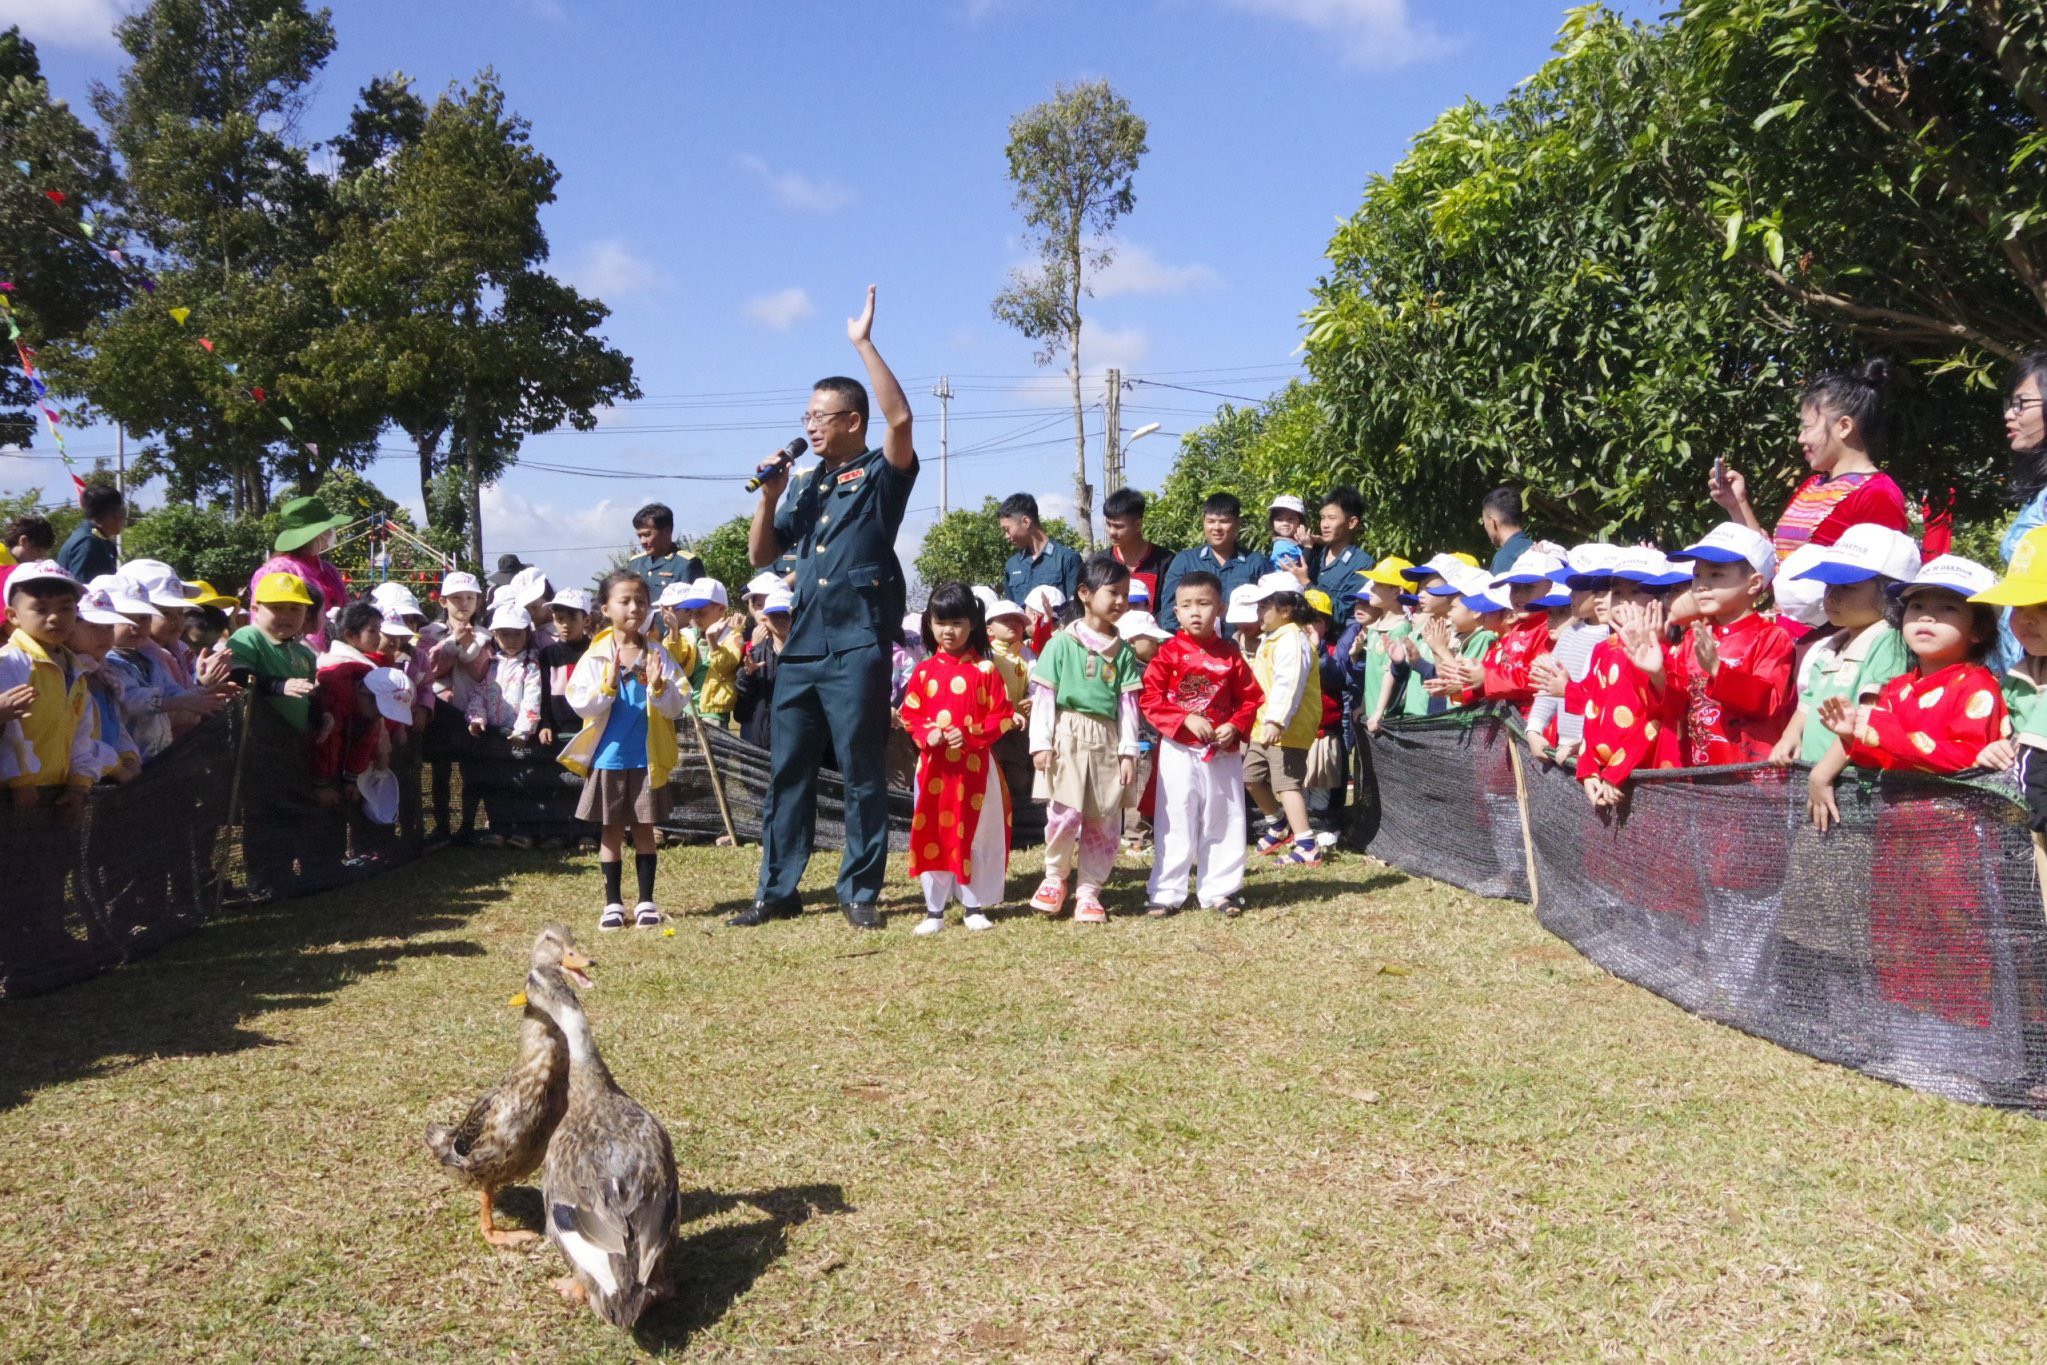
1374, 1119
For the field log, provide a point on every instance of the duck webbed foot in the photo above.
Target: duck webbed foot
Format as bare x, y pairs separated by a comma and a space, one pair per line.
502, 1237
567, 1287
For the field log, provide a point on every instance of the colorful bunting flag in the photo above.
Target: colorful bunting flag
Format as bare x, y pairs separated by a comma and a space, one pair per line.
56, 197
256, 394
178, 315
207, 342
23, 167
232, 368
285, 422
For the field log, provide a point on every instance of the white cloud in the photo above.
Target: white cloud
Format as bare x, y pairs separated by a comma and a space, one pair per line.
796, 191
781, 310
612, 271
1134, 270
66, 23
1372, 33
556, 533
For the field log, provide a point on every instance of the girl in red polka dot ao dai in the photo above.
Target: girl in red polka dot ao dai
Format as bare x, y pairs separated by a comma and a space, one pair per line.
1939, 716
955, 707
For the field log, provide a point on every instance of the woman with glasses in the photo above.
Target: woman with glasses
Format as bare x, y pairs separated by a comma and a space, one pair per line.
2025, 427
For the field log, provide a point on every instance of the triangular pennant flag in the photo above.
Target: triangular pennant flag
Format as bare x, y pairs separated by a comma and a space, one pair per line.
22, 166
78, 484
51, 414
88, 227
256, 394
148, 285
6, 286
13, 331
41, 389
232, 368
312, 450
178, 315
285, 422
116, 257
56, 197
207, 342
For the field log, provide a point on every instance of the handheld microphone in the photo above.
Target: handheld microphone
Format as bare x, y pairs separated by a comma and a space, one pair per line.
788, 457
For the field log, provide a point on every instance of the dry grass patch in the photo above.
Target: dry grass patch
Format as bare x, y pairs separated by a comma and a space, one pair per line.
1375, 1118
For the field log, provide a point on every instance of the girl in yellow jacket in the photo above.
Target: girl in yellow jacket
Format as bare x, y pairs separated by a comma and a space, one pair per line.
1276, 763
628, 691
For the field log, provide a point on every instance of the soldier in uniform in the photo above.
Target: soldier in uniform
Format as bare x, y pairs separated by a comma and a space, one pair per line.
659, 562
832, 689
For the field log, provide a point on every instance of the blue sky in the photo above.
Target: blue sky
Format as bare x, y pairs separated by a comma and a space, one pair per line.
735, 174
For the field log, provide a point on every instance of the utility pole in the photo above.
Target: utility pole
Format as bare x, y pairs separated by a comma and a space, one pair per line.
1112, 435
943, 393
120, 469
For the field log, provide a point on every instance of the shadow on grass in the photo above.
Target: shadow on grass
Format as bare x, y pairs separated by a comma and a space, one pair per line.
716, 1267
195, 997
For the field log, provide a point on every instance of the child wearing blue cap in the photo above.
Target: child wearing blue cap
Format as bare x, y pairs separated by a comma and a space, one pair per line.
1736, 675
1629, 721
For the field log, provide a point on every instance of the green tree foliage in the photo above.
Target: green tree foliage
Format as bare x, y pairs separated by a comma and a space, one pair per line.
1281, 446
61, 281
723, 550
235, 219
63, 517
968, 547
449, 323
203, 543
1631, 264
1073, 160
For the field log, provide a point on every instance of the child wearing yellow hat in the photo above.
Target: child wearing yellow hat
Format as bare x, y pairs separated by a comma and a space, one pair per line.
2024, 589
1384, 585
269, 657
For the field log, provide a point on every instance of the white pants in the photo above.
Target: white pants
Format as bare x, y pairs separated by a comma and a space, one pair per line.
1199, 818
990, 856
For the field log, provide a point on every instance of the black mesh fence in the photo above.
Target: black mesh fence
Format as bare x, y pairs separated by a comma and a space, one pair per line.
1908, 942
742, 774
1437, 798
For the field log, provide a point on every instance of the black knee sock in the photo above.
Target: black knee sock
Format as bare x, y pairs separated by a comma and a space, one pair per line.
611, 876
643, 863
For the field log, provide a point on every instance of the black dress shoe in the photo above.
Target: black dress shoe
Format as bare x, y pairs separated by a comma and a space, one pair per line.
861, 914
761, 912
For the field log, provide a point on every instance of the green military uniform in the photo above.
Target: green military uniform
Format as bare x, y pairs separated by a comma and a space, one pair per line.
658, 571
832, 685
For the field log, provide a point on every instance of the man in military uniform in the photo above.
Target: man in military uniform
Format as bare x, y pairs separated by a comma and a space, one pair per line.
659, 562
832, 687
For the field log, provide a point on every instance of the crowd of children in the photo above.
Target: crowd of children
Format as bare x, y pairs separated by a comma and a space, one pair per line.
1145, 723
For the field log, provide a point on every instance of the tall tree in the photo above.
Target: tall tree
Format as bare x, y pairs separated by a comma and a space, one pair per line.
1073, 160
448, 320
204, 119
61, 282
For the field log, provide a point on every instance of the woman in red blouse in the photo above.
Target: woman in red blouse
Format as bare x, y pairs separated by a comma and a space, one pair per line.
1844, 421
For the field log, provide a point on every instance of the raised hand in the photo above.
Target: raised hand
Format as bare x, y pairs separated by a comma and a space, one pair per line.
1705, 649
1839, 715
859, 329
1640, 626
1727, 487
1550, 677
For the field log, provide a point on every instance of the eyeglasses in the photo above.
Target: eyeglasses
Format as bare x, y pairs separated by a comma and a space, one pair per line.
2022, 404
818, 419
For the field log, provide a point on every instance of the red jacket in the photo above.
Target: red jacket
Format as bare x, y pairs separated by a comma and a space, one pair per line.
1207, 678
1508, 662
351, 746
1935, 723
1738, 714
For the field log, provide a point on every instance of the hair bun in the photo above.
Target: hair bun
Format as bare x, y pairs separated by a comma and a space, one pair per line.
1875, 372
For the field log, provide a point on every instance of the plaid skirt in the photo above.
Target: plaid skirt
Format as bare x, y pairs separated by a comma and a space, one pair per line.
621, 796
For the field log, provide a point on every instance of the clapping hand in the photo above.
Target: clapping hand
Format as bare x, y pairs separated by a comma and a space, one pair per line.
1550, 677
1705, 649
17, 702
1640, 626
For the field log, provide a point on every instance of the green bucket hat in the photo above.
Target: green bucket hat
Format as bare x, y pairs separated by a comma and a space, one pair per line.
303, 520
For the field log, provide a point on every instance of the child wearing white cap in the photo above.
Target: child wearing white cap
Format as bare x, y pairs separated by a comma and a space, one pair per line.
509, 701
1861, 650
92, 635
1736, 668
723, 645
1276, 764
558, 720
754, 708
349, 738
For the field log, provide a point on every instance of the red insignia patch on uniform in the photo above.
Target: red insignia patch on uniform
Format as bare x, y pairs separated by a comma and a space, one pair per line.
850, 475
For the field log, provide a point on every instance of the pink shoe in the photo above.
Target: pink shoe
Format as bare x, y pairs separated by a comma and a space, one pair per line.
1088, 907
1050, 897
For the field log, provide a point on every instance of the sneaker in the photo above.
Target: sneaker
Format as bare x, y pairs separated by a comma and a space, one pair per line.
612, 918
1275, 838
645, 916
1325, 838
1159, 910
1088, 908
977, 920
1305, 853
930, 924
1050, 897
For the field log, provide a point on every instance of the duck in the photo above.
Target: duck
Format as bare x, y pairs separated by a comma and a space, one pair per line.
609, 1188
504, 1136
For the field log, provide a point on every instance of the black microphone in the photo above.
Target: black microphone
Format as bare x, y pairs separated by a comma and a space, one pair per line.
789, 455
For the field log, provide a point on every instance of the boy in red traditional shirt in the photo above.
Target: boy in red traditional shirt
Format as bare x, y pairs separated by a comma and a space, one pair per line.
1201, 696
1735, 669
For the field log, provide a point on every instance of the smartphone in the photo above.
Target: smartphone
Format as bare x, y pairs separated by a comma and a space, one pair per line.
1720, 469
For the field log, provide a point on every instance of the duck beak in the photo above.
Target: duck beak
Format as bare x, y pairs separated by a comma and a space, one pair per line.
576, 968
